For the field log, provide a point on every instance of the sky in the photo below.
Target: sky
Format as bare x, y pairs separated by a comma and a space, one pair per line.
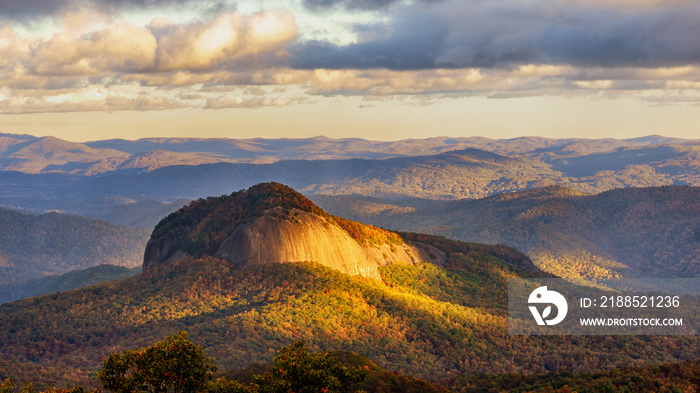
375, 69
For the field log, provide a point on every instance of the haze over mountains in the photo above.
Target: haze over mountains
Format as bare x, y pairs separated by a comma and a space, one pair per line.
33, 246
29, 154
91, 179
64, 282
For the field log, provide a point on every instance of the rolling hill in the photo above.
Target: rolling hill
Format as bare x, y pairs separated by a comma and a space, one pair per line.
34, 246
65, 282
434, 320
49, 154
633, 232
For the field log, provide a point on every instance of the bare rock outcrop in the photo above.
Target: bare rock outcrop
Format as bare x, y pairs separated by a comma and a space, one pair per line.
304, 236
271, 223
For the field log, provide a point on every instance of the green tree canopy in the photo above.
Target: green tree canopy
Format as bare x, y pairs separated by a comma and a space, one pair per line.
296, 370
173, 365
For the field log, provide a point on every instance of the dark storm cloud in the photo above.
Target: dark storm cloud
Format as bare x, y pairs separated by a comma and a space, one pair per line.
476, 34
404, 49
422, 40
28, 9
665, 38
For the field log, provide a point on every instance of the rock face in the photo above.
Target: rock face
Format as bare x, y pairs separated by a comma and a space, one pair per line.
157, 253
294, 236
307, 237
278, 233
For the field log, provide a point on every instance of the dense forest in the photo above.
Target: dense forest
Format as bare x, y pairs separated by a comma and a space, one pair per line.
178, 365
426, 321
676, 377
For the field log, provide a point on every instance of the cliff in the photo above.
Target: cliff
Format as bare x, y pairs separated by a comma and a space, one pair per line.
272, 223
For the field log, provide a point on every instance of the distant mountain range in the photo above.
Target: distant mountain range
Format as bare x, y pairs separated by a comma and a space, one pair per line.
632, 232
437, 168
30, 154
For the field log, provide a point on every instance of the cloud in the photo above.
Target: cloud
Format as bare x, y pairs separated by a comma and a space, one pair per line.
226, 39
425, 49
348, 4
223, 102
458, 34
122, 48
30, 8
33, 9
412, 44
352, 5
11, 46
23, 105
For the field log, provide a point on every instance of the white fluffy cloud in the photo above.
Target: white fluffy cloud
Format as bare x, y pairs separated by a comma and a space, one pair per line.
222, 41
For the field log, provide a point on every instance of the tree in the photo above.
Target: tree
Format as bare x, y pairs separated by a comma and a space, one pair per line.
296, 370
174, 365
7, 386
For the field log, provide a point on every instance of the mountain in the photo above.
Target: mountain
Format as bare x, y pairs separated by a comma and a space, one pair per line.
64, 282
430, 320
271, 222
31, 154
650, 232
33, 246
439, 176
49, 154
270, 150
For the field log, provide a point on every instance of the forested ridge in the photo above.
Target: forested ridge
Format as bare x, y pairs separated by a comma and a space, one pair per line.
632, 232
180, 366
432, 169
54, 243
446, 324
424, 321
676, 377
64, 282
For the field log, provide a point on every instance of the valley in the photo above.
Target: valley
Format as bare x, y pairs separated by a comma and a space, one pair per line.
416, 303
433, 318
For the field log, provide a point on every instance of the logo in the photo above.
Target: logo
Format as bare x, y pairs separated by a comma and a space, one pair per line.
542, 296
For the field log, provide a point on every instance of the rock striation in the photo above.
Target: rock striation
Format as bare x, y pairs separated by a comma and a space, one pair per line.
288, 228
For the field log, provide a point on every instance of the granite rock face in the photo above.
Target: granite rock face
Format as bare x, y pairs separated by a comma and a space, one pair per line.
308, 237
157, 253
294, 236
272, 223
